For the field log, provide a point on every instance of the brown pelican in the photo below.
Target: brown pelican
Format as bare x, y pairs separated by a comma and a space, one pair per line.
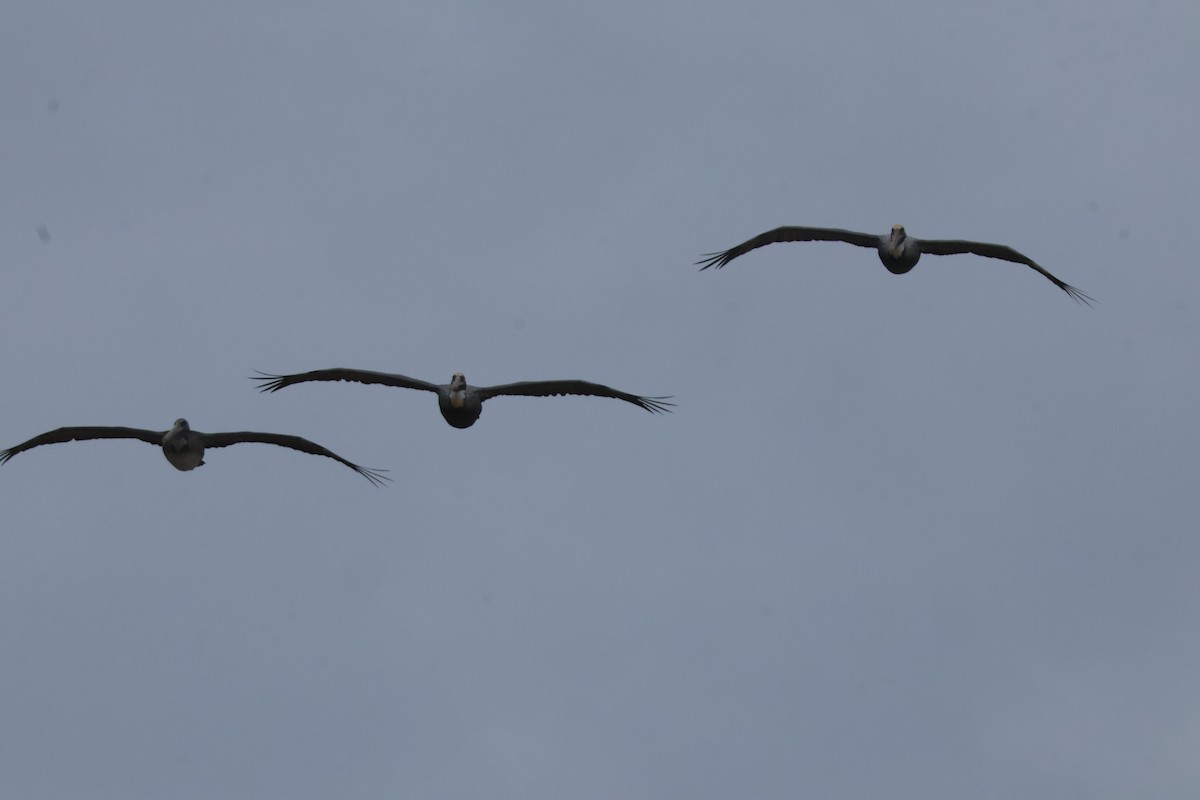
184, 447
460, 403
898, 251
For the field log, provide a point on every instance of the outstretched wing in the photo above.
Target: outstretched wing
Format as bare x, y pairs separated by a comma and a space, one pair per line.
549, 388
375, 476
948, 247
789, 234
78, 434
273, 383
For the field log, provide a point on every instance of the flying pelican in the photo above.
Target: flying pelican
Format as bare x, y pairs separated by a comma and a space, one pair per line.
184, 447
460, 403
898, 251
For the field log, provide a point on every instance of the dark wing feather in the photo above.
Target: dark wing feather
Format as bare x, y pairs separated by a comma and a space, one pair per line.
273, 383
59, 435
550, 388
948, 247
375, 476
789, 234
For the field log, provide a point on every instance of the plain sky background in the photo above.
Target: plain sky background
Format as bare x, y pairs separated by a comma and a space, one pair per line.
929, 536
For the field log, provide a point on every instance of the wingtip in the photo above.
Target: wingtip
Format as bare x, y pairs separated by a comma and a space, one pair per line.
658, 405
375, 476
270, 383
1078, 296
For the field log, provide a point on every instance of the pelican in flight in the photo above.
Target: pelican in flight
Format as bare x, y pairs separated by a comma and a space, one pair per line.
184, 447
898, 251
460, 403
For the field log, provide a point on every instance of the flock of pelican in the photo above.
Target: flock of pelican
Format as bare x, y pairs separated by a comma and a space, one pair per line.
461, 404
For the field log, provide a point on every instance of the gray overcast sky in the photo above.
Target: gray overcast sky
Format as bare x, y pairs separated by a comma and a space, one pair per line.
930, 536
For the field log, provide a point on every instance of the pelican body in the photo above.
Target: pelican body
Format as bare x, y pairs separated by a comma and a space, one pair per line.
184, 447
460, 407
460, 403
898, 251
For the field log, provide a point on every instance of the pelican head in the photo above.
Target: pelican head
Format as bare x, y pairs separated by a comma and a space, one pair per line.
458, 389
896, 241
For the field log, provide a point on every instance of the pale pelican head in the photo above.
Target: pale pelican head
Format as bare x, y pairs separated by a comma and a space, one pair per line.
896, 241
458, 389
